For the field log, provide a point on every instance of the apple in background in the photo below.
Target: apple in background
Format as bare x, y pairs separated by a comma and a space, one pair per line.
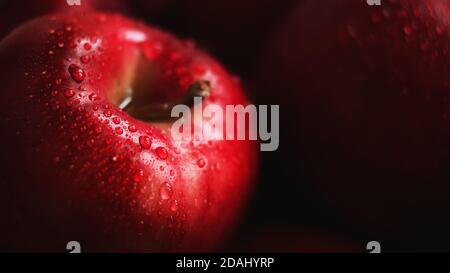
233, 30
13, 13
79, 165
364, 92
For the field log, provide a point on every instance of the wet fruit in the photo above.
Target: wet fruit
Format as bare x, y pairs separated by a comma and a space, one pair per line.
366, 104
89, 154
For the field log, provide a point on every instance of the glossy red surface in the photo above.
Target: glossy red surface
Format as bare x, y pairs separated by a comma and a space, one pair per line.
77, 167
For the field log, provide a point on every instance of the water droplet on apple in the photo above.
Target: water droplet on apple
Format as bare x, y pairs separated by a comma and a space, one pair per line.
90, 142
201, 163
87, 46
165, 191
145, 142
93, 97
98, 130
132, 128
138, 176
107, 113
116, 120
68, 93
85, 59
408, 30
174, 206
118, 130
77, 73
161, 152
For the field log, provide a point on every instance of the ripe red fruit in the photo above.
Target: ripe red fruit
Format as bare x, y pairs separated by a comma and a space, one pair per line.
364, 93
76, 167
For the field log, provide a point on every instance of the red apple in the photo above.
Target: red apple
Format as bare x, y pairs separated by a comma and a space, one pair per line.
76, 167
14, 13
364, 95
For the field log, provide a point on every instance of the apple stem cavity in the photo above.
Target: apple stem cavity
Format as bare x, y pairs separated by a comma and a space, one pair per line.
161, 112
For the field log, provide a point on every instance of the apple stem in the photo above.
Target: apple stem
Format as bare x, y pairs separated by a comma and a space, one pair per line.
161, 112
126, 101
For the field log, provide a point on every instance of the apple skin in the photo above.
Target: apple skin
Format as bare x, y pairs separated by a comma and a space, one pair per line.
75, 166
363, 92
13, 13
